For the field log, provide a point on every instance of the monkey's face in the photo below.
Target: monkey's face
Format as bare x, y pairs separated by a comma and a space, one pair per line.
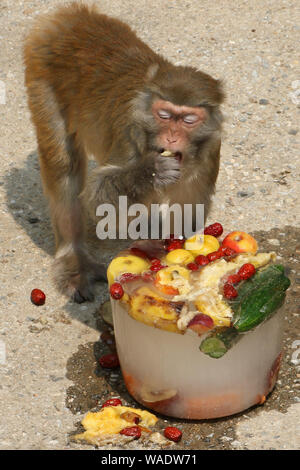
177, 125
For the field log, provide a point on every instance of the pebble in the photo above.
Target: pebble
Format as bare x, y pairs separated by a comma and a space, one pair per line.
245, 193
293, 131
263, 101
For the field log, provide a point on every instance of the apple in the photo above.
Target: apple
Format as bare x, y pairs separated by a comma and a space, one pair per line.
240, 242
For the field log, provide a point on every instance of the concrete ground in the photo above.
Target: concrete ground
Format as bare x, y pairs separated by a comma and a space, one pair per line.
48, 355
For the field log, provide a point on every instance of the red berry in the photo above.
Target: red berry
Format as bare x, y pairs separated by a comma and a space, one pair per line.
172, 239
155, 261
234, 279
222, 250
193, 266
138, 252
38, 297
156, 267
133, 431
229, 252
116, 290
229, 291
246, 271
173, 434
174, 245
127, 277
214, 256
112, 402
215, 230
201, 260
109, 361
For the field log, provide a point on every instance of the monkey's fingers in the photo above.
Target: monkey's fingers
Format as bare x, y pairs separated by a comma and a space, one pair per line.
167, 171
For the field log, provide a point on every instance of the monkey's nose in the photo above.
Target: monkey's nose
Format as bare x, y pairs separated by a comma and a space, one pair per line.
172, 140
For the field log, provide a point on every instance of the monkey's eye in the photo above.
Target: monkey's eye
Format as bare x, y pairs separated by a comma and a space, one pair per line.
164, 114
190, 118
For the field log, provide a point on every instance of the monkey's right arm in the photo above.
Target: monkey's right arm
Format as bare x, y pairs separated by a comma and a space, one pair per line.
136, 181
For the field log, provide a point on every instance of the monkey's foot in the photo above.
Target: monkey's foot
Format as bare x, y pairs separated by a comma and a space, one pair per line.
75, 277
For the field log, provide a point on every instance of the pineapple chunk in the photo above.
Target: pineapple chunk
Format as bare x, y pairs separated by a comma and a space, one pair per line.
148, 307
108, 421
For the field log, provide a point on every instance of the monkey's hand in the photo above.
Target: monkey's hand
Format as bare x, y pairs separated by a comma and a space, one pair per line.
167, 171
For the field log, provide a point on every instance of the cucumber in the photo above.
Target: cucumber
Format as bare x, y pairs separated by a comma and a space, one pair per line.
268, 274
266, 295
218, 343
258, 297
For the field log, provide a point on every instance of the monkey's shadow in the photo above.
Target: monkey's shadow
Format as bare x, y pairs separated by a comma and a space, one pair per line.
28, 206
27, 203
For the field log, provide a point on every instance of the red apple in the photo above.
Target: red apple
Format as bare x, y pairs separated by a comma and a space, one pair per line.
240, 242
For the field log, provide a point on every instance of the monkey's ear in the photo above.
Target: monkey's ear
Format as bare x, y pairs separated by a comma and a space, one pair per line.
151, 72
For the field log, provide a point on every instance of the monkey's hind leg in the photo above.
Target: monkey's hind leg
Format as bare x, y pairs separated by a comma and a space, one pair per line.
63, 168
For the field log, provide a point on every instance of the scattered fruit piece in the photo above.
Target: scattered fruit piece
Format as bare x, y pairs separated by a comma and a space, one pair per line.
241, 242
172, 433
107, 423
201, 260
126, 264
133, 431
109, 361
116, 291
156, 267
246, 271
180, 256
215, 230
201, 244
201, 323
38, 297
192, 266
214, 256
131, 417
229, 291
174, 245
234, 279
112, 402
229, 251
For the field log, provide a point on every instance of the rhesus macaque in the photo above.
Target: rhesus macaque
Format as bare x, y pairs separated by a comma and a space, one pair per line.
94, 88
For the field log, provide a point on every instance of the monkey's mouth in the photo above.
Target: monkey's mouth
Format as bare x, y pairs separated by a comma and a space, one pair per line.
168, 153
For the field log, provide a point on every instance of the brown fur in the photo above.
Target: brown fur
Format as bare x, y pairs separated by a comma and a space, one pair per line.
91, 83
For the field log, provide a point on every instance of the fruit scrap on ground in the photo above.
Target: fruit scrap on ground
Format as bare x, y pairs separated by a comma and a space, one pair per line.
38, 297
111, 422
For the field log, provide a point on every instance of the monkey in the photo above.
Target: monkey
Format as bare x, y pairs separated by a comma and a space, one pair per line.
95, 89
